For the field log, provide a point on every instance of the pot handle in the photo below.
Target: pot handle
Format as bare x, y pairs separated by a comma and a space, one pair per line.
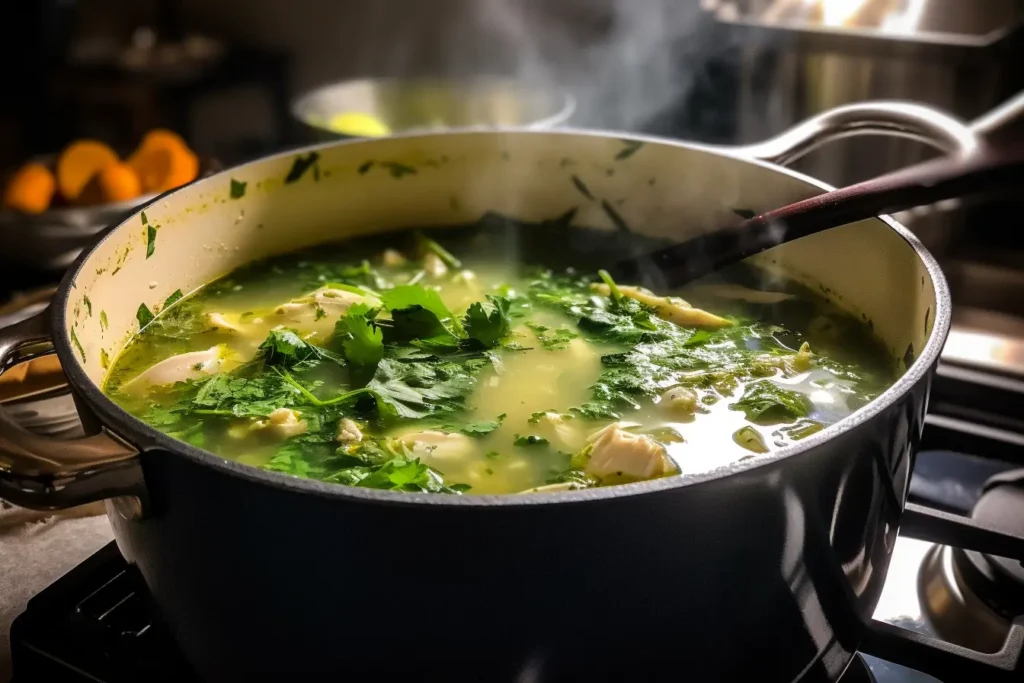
901, 119
40, 473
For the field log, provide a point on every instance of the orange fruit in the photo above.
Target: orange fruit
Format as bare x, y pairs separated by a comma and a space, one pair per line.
164, 165
31, 189
78, 163
115, 182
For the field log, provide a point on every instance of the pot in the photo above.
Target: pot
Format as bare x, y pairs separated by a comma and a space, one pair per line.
768, 569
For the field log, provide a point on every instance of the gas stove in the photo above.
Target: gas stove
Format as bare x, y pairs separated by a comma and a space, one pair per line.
952, 609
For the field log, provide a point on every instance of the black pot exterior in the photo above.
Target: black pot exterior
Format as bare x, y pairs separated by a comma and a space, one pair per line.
766, 574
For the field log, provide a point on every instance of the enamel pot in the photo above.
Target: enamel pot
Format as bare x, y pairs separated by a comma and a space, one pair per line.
766, 570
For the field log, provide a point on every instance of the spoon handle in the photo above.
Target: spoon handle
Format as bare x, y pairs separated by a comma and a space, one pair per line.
920, 185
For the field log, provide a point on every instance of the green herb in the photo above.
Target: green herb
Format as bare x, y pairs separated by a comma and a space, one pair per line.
104, 359
175, 297
364, 342
78, 344
417, 313
365, 167
238, 188
615, 217
396, 169
301, 164
615, 292
145, 221
103, 320
399, 474
285, 348
144, 316
429, 245
745, 214
150, 240
416, 390
88, 304
488, 328
764, 402
581, 186
629, 148
479, 429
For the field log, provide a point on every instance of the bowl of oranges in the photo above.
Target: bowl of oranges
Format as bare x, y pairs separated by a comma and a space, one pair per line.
55, 205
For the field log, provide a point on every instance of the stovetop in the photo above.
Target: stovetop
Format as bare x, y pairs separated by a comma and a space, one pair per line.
946, 614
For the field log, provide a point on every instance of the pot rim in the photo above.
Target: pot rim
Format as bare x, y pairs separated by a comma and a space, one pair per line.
127, 426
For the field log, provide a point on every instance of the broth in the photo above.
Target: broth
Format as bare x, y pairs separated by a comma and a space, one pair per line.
390, 363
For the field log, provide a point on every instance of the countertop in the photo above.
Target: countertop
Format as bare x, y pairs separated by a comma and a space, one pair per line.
35, 549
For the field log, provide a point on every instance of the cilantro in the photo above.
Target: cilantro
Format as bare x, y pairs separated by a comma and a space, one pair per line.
429, 245
364, 344
286, 348
301, 164
144, 315
415, 390
417, 313
764, 402
175, 296
488, 328
150, 240
484, 428
238, 188
552, 340
398, 474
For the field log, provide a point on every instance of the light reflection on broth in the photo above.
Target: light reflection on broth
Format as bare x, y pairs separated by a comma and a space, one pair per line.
366, 365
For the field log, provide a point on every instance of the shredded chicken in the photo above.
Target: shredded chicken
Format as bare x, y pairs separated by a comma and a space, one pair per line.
284, 423
617, 453
438, 448
679, 401
563, 433
182, 367
670, 308
320, 309
348, 431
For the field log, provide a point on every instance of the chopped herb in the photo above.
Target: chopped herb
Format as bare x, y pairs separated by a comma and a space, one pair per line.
429, 245
78, 344
145, 221
103, 320
764, 402
104, 359
629, 148
552, 340
150, 240
88, 304
365, 167
615, 217
364, 342
301, 164
479, 429
144, 316
488, 328
745, 214
584, 190
175, 297
238, 188
398, 170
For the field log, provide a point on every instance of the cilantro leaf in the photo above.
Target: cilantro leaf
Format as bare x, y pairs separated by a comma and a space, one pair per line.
764, 402
286, 348
397, 474
406, 296
488, 328
415, 390
529, 440
364, 344
552, 339
417, 313
483, 428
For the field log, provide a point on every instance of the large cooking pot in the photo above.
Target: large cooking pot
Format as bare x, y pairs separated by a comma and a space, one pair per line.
764, 570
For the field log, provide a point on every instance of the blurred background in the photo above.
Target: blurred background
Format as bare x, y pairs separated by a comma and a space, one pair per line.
236, 79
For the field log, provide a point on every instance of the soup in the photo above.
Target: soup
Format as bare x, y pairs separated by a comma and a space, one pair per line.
474, 360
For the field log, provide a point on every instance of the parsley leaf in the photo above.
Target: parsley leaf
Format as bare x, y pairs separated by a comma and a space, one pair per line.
764, 402
488, 328
364, 344
484, 428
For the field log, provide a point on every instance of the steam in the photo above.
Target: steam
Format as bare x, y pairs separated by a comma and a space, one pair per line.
626, 61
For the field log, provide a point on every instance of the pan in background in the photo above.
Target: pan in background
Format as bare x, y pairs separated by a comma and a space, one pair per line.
374, 107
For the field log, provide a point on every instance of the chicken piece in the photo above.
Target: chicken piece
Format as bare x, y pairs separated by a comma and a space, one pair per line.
438, 449
433, 265
283, 423
791, 364
670, 308
319, 310
392, 258
182, 367
679, 401
563, 433
348, 431
618, 454
740, 293
222, 324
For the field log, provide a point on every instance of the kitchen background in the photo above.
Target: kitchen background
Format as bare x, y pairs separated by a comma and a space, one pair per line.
224, 75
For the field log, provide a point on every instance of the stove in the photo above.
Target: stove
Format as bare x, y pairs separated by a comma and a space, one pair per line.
952, 608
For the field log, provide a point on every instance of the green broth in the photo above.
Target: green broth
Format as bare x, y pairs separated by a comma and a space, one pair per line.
482, 374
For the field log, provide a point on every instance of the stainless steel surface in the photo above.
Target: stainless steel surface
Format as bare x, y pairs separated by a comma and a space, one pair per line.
37, 469
898, 119
413, 105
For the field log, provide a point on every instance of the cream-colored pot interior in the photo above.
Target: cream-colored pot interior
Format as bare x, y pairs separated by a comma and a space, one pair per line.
336, 191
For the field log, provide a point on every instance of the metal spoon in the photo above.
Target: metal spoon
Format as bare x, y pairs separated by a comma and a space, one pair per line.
920, 185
